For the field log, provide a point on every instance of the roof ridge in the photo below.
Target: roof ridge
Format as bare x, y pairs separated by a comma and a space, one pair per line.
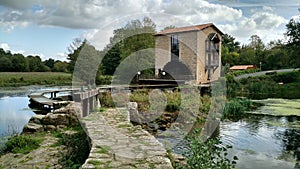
185, 28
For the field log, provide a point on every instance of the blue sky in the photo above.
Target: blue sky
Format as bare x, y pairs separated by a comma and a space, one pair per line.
46, 28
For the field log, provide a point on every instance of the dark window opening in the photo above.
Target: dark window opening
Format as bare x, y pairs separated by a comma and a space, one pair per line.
174, 47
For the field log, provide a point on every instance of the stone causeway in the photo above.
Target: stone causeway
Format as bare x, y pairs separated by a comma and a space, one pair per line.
116, 143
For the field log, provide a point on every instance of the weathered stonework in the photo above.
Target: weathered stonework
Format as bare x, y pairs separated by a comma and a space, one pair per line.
116, 143
60, 118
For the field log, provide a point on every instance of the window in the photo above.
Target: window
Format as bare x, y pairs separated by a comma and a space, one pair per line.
212, 44
174, 47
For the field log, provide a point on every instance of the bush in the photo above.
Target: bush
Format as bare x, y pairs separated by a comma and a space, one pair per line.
286, 77
210, 154
22, 144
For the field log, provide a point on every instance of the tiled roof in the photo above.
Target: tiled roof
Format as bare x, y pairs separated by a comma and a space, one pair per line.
187, 29
242, 67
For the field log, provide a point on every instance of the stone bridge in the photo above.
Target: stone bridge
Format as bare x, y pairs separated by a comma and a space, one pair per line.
114, 141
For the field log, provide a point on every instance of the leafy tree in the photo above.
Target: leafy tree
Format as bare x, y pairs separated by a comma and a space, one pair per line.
247, 56
136, 35
72, 57
5, 64
230, 43
230, 49
50, 63
35, 64
87, 64
111, 60
60, 66
19, 63
293, 34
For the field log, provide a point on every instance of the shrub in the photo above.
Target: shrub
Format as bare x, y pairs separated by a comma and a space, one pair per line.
22, 144
210, 154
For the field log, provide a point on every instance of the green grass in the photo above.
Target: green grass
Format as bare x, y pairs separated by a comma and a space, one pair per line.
22, 144
15, 79
102, 149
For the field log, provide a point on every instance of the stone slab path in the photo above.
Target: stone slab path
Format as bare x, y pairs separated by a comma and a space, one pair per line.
116, 143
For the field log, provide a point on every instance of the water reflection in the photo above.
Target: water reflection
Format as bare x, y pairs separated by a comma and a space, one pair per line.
14, 114
258, 144
14, 110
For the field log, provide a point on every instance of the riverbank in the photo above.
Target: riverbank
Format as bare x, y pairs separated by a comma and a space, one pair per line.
66, 148
278, 85
55, 140
17, 79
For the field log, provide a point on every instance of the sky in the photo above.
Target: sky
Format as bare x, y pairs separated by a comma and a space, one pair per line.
47, 27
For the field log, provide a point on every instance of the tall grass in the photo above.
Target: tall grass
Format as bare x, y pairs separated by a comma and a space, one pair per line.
236, 108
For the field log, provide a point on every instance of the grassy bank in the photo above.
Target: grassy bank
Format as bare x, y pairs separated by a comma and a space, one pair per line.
67, 148
15, 79
281, 85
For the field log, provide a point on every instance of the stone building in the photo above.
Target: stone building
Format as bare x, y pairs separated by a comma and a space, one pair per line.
190, 53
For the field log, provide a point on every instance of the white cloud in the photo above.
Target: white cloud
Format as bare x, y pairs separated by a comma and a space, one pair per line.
58, 56
5, 46
100, 17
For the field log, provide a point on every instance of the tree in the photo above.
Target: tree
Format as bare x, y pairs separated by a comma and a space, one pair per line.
87, 63
247, 56
60, 66
5, 64
230, 49
35, 64
49, 63
136, 35
230, 43
111, 60
74, 53
19, 63
293, 34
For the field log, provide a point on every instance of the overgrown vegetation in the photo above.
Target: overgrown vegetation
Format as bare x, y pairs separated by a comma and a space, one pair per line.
235, 108
209, 154
22, 144
204, 154
283, 85
78, 147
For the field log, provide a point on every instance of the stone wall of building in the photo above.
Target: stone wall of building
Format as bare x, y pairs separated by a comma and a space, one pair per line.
188, 50
162, 52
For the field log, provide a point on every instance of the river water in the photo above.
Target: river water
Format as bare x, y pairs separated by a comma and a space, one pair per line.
263, 141
266, 141
14, 110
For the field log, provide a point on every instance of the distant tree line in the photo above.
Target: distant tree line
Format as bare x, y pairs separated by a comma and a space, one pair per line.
19, 63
